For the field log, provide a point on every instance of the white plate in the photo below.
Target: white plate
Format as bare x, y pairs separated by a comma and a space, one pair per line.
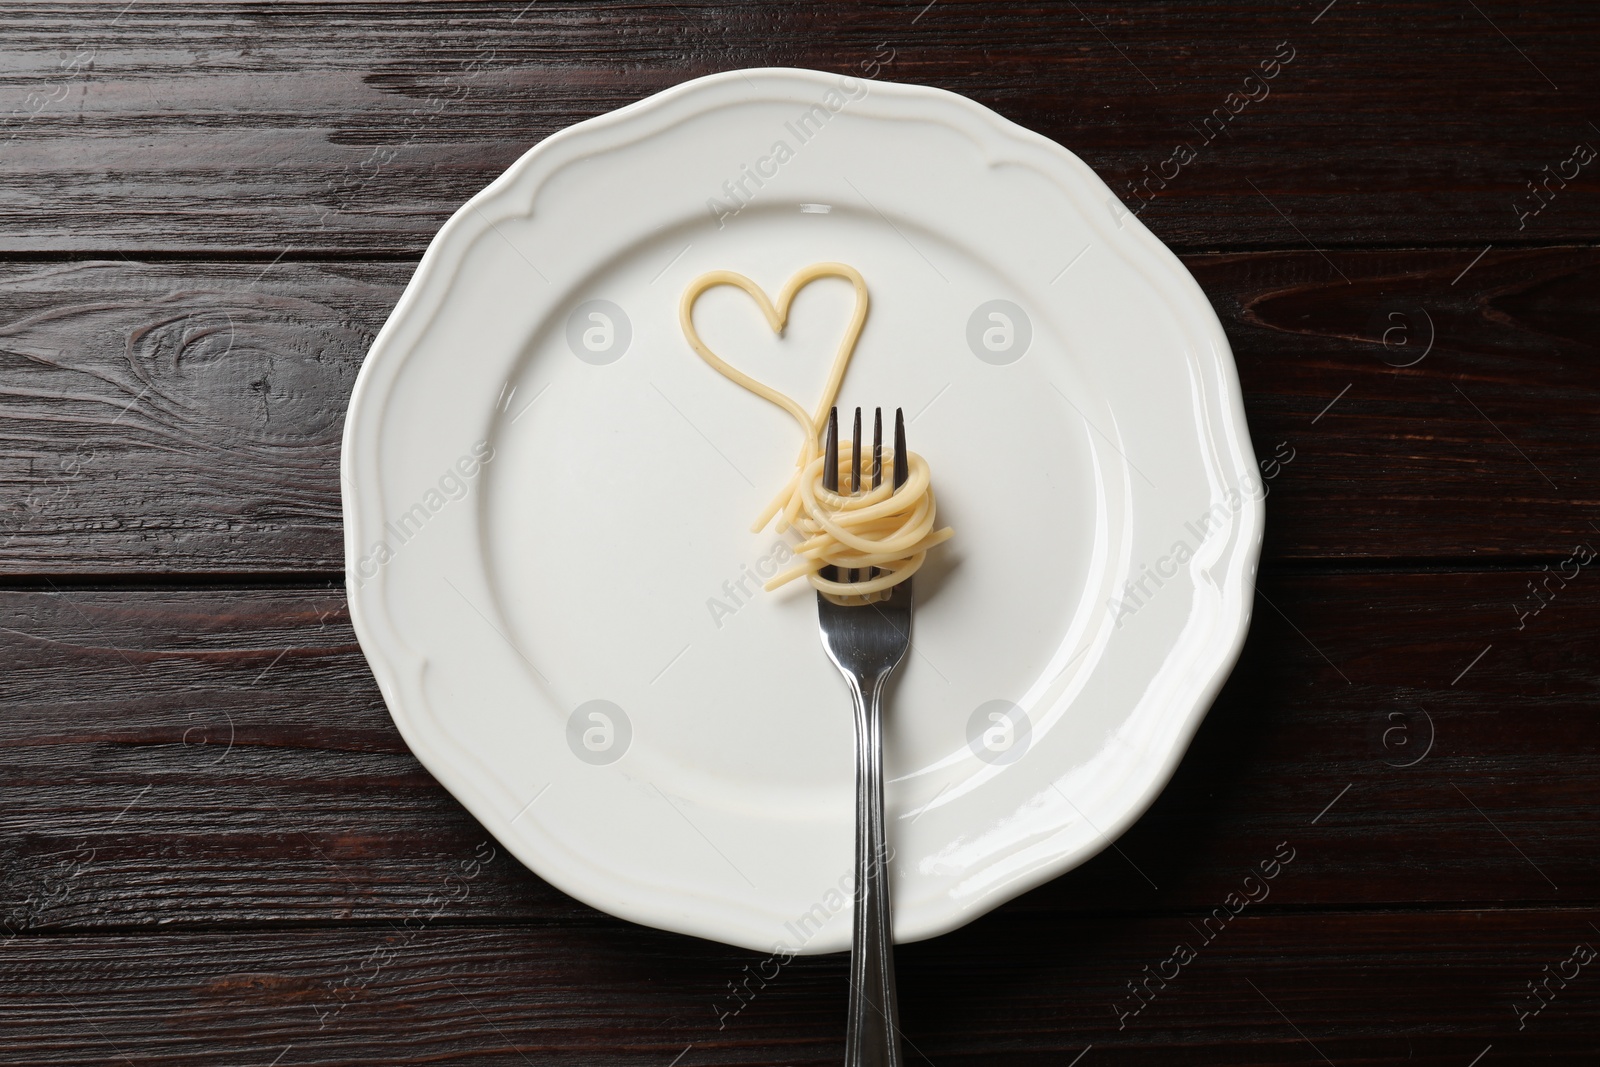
542, 507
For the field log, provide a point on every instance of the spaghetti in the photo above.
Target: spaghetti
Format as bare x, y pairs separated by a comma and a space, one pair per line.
888, 528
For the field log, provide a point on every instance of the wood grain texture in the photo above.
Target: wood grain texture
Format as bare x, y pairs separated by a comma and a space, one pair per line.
176, 411
186, 417
222, 757
1361, 988
214, 845
361, 127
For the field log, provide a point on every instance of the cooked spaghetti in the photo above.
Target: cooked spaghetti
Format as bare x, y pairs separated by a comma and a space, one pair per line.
887, 528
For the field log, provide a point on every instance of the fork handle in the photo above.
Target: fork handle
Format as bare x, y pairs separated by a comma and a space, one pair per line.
872, 1034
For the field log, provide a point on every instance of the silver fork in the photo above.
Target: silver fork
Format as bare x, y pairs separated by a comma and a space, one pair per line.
867, 643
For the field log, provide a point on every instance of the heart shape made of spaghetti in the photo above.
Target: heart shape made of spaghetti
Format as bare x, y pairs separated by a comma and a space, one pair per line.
777, 314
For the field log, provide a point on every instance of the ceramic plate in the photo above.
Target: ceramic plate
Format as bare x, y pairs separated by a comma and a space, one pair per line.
547, 503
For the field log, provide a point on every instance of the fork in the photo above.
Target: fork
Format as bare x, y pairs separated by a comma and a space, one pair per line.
867, 642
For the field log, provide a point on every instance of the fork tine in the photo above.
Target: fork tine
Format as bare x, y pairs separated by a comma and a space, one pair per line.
902, 468
877, 464
830, 451
877, 448
855, 473
830, 472
855, 457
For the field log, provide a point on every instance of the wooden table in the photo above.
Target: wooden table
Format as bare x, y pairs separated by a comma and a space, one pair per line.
216, 848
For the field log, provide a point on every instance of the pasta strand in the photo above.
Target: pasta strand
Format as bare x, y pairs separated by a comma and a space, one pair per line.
887, 528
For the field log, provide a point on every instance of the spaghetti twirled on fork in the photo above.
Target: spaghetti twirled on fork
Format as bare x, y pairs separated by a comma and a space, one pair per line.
881, 534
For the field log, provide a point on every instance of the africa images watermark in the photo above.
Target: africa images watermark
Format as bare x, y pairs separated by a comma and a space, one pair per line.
454, 484
456, 887
802, 928
1582, 155
802, 128
768, 565
1253, 90
55, 887
1540, 994
355, 177
39, 99
1582, 556
1253, 890
1136, 592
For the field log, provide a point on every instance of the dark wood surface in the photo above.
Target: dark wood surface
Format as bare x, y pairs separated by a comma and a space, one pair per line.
216, 849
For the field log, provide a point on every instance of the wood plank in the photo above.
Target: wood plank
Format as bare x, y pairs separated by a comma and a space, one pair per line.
1433, 988
1435, 404
361, 127
160, 414
215, 758
185, 417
